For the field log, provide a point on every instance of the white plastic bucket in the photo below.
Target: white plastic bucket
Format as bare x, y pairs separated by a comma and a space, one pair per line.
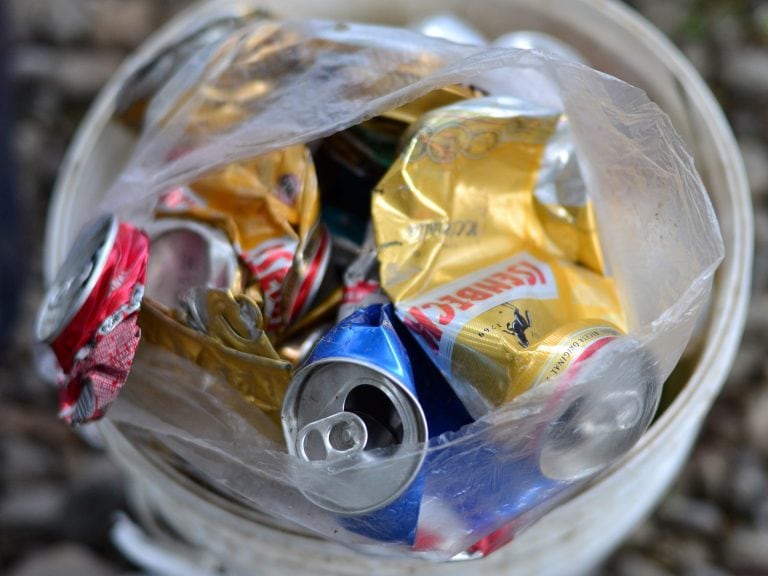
574, 537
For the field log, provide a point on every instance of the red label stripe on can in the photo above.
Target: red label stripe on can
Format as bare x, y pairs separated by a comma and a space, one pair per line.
125, 267
311, 282
270, 263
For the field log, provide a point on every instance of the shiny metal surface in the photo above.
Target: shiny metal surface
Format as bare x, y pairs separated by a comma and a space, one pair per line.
185, 255
344, 412
76, 278
606, 419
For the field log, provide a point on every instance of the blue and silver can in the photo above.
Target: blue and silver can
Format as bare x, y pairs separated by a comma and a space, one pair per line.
371, 407
367, 402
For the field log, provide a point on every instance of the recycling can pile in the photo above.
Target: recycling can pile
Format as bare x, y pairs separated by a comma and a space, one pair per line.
408, 293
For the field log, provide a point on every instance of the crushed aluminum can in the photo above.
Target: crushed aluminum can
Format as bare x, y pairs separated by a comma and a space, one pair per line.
367, 397
535, 311
89, 315
503, 156
603, 420
361, 283
296, 348
223, 334
347, 400
270, 55
136, 92
475, 142
309, 279
185, 255
234, 320
477, 265
269, 208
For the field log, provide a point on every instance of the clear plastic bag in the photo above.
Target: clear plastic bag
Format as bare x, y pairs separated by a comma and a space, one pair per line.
480, 485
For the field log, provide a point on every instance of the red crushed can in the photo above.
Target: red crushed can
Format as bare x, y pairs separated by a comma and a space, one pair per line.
89, 316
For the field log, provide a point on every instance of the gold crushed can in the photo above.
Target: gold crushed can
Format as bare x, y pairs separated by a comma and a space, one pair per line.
492, 260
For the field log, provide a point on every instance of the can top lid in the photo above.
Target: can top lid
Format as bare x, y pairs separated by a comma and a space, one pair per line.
76, 278
606, 418
345, 413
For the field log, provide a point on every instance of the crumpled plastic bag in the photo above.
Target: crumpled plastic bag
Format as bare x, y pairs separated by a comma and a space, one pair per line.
482, 484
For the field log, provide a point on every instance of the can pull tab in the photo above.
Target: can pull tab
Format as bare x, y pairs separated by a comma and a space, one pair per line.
333, 437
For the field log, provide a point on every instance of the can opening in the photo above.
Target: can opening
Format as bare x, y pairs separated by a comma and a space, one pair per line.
179, 261
374, 407
314, 446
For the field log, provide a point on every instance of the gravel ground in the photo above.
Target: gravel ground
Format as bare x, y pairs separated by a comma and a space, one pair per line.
58, 496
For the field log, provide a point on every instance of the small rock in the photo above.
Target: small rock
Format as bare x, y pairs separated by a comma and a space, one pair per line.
713, 470
35, 506
63, 21
726, 420
746, 549
699, 55
64, 560
760, 18
33, 62
24, 16
758, 317
81, 74
25, 461
726, 28
95, 494
755, 154
685, 482
29, 139
746, 70
704, 569
645, 534
757, 421
68, 20
698, 516
635, 564
89, 512
683, 553
123, 22
77, 73
760, 515
746, 121
669, 17
747, 367
749, 481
